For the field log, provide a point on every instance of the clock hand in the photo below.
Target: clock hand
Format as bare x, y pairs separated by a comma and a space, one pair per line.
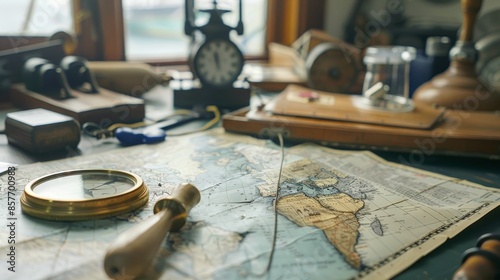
107, 183
90, 190
217, 60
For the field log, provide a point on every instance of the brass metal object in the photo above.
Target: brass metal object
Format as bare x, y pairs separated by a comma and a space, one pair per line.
83, 194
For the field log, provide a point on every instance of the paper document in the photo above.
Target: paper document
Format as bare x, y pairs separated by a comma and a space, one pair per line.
343, 213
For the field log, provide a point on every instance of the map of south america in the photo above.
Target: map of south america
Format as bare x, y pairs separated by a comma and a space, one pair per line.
337, 219
316, 201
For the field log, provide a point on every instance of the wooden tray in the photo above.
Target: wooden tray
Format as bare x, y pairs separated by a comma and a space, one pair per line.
458, 133
342, 107
105, 107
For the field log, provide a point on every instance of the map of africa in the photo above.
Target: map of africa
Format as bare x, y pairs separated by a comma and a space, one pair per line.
343, 213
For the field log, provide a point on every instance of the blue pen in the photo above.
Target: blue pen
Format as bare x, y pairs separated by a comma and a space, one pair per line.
129, 137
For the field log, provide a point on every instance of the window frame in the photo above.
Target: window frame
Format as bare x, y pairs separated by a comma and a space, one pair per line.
100, 36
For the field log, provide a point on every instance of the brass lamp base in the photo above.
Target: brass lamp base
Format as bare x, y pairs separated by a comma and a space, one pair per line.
458, 88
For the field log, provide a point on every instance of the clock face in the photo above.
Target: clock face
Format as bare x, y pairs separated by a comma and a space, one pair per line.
218, 63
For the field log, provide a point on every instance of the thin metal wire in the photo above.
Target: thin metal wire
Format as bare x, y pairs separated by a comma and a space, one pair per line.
276, 198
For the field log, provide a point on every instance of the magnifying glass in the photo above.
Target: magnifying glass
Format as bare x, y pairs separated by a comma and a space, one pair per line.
84, 194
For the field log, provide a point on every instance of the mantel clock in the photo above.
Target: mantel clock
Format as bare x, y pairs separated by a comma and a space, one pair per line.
215, 61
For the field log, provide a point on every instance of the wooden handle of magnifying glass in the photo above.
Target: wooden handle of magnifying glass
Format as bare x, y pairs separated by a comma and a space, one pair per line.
134, 250
470, 10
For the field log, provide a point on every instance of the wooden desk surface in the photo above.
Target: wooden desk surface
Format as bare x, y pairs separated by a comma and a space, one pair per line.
437, 265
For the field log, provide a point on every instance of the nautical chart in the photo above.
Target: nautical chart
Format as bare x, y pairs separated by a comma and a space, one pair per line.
348, 214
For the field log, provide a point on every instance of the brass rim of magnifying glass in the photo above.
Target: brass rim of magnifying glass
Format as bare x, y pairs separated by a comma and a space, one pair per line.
84, 209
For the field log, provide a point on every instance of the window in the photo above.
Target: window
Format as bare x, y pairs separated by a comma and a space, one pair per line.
31, 17
150, 30
155, 28
24, 22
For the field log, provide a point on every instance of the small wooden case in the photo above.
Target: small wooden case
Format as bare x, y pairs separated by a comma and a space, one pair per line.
42, 131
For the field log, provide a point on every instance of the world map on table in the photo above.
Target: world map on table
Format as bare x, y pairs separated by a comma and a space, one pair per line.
344, 213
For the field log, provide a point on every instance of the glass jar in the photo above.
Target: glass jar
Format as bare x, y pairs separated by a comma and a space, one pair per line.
391, 66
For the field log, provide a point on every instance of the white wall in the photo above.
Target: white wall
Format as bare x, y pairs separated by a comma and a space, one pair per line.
449, 12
